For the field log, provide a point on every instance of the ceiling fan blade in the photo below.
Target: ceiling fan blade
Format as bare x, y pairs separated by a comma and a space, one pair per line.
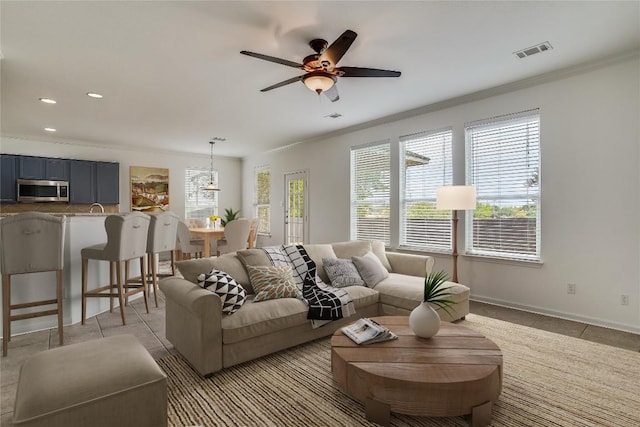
332, 93
272, 59
284, 83
367, 72
338, 48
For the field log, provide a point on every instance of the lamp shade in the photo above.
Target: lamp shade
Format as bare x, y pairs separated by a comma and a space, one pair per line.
456, 197
318, 81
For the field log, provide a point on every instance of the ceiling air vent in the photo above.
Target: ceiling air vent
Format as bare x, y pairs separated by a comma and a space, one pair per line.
333, 115
542, 47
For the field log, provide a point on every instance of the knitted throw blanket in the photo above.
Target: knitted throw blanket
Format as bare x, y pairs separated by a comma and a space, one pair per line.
325, 302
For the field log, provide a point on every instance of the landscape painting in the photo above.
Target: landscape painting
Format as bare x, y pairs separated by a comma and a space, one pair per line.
149, 189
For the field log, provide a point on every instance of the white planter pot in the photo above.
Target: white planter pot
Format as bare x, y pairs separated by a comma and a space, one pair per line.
424, 321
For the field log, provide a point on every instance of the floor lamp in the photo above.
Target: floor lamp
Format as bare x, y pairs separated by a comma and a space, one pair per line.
455, 198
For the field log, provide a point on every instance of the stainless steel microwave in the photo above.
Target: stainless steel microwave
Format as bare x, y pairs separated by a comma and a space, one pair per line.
32, 190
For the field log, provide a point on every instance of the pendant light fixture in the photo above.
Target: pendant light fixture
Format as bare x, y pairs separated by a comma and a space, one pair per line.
211, 186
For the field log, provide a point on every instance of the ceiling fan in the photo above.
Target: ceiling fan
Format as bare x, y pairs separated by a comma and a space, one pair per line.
321, 68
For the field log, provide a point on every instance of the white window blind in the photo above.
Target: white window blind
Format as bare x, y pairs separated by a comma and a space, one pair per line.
425, 165
199, 203
504, 165
262, 193
370, 192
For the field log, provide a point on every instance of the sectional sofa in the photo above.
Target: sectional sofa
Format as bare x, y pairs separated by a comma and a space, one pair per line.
211, 340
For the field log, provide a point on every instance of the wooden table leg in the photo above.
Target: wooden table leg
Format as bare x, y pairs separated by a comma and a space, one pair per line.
377, 412
481, 415
207, 246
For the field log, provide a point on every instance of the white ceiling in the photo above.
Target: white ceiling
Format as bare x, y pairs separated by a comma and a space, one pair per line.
172, 75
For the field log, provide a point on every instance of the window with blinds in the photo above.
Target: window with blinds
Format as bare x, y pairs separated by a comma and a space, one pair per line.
199, 203
370, 192
425, 165
504, 165
262, 193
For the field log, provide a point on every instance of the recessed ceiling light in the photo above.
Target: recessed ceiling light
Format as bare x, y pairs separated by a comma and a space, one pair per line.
94, 95
47, 100
50, 129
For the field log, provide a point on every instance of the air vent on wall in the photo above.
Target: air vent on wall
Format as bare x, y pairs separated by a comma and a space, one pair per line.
542, 47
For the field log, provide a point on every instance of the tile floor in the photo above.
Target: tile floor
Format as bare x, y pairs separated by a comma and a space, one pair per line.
149, 329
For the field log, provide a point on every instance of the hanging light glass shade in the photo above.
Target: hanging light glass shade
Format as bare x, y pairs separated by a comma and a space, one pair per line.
211, 186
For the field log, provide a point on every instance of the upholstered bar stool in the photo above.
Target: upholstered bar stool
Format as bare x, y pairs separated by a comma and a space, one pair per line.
32, 242
126, 240
162, 237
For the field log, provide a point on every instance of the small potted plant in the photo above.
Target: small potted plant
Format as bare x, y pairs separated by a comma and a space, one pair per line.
229, 215
424, 320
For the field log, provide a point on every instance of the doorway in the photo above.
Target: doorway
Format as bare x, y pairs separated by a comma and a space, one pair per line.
295, 212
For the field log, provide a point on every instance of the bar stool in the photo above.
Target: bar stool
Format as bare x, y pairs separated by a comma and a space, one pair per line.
162, 237
126, 240
32, 242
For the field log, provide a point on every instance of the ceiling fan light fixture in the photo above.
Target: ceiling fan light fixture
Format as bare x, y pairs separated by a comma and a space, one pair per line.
319, 81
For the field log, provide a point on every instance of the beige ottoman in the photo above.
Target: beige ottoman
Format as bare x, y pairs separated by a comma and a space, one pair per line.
106, 382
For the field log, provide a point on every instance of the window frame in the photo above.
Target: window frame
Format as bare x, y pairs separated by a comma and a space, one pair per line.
505, 194
203, 176
264, 227
442, 155
380, 203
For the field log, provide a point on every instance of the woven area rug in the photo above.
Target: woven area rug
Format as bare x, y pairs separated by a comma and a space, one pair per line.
549, 380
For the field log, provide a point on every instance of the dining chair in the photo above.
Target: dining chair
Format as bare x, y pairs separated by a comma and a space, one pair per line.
236, 236
31, 242
186, 244
126, 240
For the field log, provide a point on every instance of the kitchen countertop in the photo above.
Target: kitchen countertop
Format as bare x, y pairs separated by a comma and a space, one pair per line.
2, 215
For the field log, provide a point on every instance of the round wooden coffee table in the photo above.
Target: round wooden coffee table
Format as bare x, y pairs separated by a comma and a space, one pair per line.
456, 372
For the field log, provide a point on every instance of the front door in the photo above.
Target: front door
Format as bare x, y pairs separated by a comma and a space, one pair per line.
295, 213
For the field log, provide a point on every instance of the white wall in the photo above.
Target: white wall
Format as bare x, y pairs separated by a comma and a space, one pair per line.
229, 168
590, 194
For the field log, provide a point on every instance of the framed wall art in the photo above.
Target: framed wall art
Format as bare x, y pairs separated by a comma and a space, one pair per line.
149, 189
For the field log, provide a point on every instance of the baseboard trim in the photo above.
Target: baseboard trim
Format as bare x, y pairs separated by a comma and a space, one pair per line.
561, 315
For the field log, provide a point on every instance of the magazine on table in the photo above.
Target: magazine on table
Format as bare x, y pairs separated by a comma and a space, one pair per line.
367, 331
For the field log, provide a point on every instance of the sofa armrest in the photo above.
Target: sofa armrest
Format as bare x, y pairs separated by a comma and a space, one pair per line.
410, 264
193, 323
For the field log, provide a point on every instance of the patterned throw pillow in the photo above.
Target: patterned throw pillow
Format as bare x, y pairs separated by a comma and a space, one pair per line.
342, 272
232, 294
272, 282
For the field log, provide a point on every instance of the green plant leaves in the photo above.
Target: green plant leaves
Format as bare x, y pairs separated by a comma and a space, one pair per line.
435, 291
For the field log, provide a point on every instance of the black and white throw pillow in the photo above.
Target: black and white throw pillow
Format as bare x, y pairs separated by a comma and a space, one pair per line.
232, 293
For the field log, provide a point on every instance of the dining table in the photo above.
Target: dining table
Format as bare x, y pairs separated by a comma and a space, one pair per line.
207, 233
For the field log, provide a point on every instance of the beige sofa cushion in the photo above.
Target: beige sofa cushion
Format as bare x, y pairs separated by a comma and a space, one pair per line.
407, 292
229, 263
370, 268
316, 253
255, 257
255, 319
377, 247
346, 250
